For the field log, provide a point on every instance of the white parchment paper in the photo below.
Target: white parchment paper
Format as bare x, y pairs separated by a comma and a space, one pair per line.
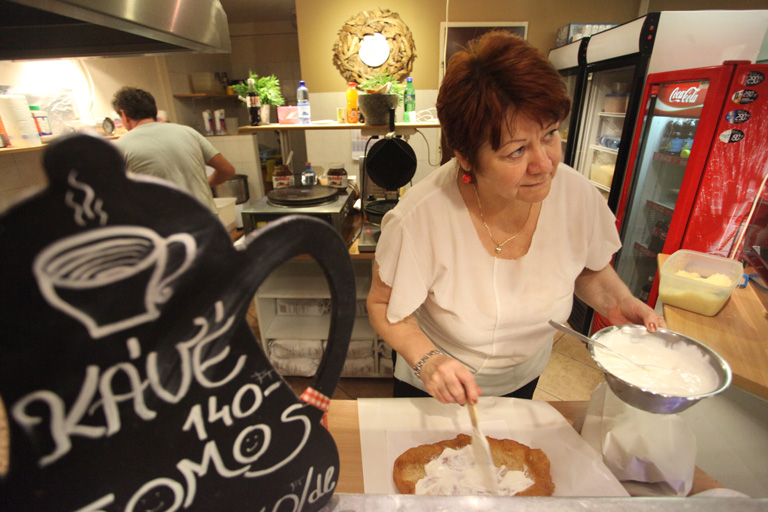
389, 426
651, 454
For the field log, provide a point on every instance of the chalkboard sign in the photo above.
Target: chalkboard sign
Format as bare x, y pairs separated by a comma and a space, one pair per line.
130, 377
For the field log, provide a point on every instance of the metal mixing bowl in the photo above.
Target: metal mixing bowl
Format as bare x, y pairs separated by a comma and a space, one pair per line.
652, 401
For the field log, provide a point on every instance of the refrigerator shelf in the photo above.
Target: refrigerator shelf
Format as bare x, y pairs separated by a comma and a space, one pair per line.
600, 186
619, 115
604, 149
670, 159
644, 250
658, 207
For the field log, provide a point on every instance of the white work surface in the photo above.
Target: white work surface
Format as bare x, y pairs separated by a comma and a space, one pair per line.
390, 426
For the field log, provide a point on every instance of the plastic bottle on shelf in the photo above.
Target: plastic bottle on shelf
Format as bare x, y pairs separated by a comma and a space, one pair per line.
207, 122
666, 137
690, 133
253, 102
309, 176
409, 102
337, 176
302, 98
352, 103
42, 123
676, 140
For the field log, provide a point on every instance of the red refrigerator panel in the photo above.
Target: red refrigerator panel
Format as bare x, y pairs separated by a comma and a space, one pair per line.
662, 182
737, 164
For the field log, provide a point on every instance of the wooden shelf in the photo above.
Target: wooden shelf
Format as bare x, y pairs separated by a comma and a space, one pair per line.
17, 149
400, 128
203, 96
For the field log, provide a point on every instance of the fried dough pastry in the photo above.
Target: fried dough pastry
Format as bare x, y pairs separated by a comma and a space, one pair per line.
409, 466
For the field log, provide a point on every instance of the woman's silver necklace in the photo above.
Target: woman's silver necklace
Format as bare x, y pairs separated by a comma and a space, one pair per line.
480, 209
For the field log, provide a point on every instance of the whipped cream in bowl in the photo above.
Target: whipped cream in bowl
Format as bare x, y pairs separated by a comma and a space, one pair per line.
680, 371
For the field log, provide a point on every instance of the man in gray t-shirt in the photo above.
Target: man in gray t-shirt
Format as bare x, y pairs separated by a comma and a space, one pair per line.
169, 151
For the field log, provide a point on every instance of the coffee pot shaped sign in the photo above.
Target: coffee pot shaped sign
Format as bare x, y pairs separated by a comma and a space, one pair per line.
129, 374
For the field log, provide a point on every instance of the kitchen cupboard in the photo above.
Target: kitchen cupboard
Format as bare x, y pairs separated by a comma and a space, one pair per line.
292, 309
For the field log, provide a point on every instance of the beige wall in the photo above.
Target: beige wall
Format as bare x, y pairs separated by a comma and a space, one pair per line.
318, 26
700, 5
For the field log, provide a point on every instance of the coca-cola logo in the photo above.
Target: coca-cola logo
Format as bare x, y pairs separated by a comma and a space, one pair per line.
689, 95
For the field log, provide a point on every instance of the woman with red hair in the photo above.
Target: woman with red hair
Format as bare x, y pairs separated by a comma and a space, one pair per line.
479, 256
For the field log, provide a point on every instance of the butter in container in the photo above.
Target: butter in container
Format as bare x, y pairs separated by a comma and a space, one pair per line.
698, 282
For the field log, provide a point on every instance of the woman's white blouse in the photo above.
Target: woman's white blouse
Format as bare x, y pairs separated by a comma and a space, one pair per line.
490, 313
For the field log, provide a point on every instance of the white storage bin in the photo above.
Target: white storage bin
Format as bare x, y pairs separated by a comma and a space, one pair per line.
360, 348
296, 348
303, 307
296, 366
359, 367
691, 280
226, 210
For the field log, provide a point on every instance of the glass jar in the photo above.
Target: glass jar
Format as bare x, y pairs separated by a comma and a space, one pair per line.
337, 176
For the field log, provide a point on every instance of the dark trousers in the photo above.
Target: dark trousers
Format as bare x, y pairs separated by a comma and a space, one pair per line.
403, 390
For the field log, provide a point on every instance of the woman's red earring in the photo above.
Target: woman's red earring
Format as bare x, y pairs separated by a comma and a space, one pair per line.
467, 178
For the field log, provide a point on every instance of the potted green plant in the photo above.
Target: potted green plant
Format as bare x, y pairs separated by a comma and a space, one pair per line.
378, 95
268, 89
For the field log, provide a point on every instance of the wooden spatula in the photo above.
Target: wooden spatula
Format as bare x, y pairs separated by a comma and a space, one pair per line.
482, 452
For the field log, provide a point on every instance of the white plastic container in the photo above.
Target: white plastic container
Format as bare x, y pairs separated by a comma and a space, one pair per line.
226, 208
207, 122
697, 295
220, 123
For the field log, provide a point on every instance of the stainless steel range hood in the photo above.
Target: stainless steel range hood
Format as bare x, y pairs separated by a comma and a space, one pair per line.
41, 29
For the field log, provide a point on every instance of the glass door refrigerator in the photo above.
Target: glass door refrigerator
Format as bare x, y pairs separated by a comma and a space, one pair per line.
615, 75
698, 159
604, 114
618, 61
570, 60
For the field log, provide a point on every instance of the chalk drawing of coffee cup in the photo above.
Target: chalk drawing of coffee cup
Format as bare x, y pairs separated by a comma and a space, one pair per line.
112, 278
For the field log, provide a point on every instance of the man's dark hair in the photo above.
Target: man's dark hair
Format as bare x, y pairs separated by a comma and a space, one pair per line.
137, 104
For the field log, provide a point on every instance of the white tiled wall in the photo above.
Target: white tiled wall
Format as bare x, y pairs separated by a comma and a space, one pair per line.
21, 175
243, 152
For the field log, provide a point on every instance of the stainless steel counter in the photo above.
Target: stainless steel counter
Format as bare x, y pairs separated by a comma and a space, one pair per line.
372, 502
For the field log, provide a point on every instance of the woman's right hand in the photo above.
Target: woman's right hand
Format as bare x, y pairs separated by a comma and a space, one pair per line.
449, 381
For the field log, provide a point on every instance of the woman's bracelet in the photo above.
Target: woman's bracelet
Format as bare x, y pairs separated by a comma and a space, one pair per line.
420, 364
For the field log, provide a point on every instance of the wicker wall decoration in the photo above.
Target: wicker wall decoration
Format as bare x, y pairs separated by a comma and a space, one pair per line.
352, 39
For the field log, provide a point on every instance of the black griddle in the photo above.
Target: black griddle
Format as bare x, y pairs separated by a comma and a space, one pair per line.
311, 195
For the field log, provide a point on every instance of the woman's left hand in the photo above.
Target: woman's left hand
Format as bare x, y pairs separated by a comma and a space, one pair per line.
607, 293
634, 311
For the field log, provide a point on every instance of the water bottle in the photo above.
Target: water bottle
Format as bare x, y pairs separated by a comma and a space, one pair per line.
309, 176
409, 101
302, 96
